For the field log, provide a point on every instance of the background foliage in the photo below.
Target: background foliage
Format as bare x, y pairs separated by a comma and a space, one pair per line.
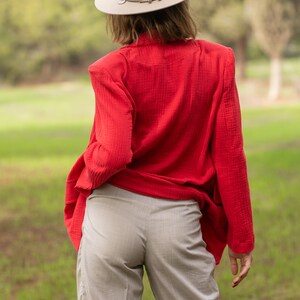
40, 38
48, 40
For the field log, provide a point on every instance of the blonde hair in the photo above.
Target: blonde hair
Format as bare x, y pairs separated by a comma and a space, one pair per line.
171, 24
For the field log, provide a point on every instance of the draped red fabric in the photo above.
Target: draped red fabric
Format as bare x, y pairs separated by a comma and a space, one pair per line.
168, 124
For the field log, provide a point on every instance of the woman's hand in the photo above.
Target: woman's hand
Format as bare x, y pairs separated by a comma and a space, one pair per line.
245, 265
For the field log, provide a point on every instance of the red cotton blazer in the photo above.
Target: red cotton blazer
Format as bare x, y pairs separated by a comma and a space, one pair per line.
168, 124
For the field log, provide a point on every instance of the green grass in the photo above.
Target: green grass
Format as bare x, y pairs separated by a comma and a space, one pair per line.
42, 131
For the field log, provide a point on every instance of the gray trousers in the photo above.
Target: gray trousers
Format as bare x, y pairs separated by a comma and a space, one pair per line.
124, 231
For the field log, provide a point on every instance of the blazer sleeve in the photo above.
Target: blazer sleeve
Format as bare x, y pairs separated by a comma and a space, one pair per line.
230, 164
109, 149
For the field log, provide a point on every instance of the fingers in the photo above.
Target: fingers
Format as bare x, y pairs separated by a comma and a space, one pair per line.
233, 265
245, 261
245, 267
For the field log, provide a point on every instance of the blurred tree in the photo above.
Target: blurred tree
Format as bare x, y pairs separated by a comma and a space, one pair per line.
274, 22
204, 10
226, 20
231, 26
38, 37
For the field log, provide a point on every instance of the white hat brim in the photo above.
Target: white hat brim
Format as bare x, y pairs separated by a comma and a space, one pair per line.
121, 7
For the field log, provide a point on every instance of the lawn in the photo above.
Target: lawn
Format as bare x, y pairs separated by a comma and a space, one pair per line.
42, 131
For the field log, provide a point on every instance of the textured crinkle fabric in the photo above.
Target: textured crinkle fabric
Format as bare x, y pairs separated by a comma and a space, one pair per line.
168, 125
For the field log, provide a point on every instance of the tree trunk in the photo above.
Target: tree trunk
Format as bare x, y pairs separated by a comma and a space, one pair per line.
275, 78
241, 48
